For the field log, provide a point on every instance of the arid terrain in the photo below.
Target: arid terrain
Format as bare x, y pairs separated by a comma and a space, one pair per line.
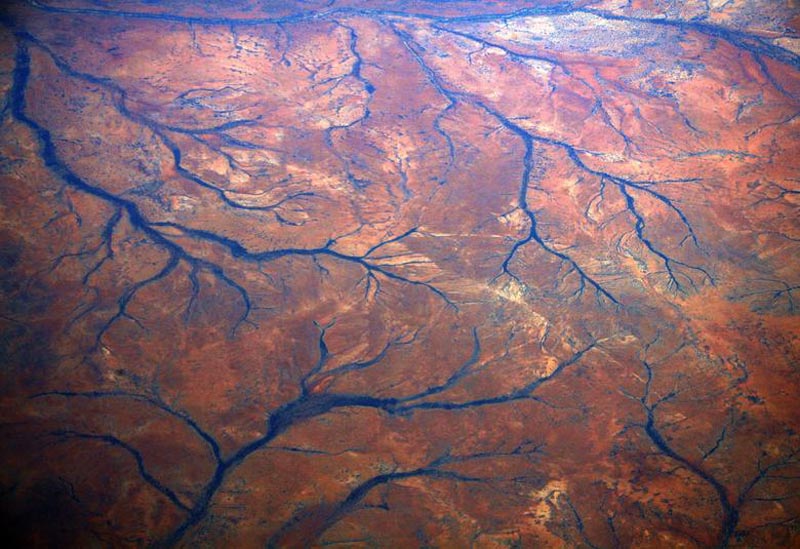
400, 274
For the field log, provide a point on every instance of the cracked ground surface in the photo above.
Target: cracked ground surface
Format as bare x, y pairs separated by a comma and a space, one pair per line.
400, 274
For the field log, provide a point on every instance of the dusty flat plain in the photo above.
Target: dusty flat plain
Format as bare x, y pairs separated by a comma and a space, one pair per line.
400, 274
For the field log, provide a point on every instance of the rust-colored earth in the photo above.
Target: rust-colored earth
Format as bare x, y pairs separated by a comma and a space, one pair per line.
400, 274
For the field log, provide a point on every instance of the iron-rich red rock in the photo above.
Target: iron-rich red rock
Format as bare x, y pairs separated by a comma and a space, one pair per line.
400, 273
